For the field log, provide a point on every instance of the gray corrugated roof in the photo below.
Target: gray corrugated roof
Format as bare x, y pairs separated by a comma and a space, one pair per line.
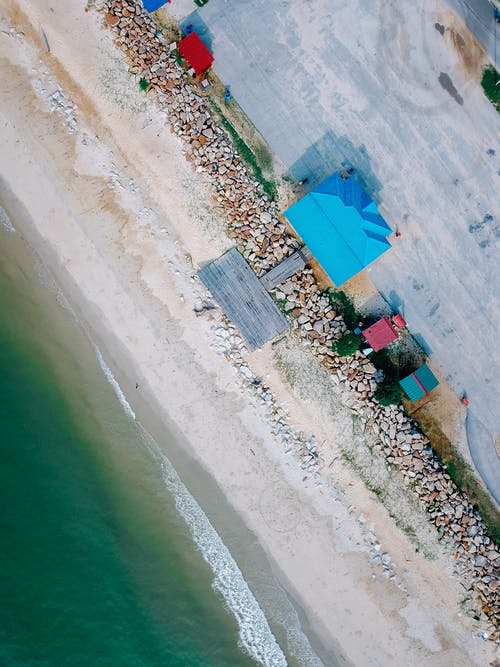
242, 297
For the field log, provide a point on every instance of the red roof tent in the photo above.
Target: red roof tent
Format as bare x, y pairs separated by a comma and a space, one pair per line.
196, 53
399, 321
380, 334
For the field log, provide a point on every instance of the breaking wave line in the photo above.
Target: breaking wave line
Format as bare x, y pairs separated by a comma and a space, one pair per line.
5, 221
255, 635
116, 387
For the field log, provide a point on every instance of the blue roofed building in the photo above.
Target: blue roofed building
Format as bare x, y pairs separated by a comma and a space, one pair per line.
341, 226
153, 5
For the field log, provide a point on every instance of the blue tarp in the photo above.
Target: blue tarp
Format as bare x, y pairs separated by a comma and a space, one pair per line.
341, 226
153, 5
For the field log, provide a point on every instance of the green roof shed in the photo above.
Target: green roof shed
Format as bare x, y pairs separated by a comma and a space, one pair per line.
419, 383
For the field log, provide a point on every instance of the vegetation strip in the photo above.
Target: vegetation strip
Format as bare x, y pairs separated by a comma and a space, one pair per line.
245, 152
491, 85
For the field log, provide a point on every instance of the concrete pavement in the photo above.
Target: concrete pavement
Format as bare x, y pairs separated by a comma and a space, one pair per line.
483, 452
381, 87
479, 17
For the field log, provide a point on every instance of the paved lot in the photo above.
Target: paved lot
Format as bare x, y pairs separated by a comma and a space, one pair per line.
377, 86
479, 17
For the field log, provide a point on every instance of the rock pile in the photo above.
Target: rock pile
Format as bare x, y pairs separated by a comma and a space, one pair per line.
57, 100
477, 558
253, 220
60, 104
231, 345
261, 236
403, 445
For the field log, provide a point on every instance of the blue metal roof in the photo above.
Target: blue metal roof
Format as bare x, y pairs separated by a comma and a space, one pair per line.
153, 5
341, 226
419, 383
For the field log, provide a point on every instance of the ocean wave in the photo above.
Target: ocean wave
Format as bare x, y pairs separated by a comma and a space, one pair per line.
5, 221
116, 387
255, 635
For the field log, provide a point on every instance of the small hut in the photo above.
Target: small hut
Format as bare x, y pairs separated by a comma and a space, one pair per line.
419, 383
196, 54
399, 321
380, 334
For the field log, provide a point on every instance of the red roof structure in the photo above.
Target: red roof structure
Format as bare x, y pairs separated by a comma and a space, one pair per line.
399, 321
380, 334
196, 53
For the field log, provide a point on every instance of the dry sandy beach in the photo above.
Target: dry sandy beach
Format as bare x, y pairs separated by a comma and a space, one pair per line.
113, 207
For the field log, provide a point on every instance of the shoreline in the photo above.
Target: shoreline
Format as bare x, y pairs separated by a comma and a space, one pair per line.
113, 446
174, 450
107, 302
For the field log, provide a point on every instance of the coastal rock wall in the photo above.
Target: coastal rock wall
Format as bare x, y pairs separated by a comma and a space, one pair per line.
261, 236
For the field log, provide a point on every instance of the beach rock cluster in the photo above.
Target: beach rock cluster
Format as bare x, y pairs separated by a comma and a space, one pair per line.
253, 221
231, 345
310, 309
404, 446
448, 507
60, 104
262, 237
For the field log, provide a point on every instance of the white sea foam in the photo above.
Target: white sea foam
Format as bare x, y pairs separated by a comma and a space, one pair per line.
255, 635
116, 387
5, 221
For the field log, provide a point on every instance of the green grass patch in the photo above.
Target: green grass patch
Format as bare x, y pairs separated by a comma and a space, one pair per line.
245, 153
344, 305
144, 84
394, 363
264, 157
456, 471
491, 86
178, 58
388, 363
388, 392
347, 345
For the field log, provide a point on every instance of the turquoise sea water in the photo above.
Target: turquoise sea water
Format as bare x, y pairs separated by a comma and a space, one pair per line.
96, 565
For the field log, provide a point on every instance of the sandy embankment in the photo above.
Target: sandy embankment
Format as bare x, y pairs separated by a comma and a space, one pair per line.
125, 224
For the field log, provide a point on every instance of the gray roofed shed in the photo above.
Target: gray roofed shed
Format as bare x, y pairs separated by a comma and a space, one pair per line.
242, 297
